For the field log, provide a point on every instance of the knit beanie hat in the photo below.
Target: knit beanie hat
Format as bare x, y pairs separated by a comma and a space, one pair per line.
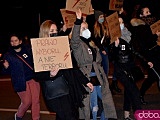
97, 13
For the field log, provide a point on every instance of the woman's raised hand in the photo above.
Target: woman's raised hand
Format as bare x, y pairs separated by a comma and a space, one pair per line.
79, 14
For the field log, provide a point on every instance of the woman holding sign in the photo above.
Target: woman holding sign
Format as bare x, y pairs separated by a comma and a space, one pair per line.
65, 105
122, 53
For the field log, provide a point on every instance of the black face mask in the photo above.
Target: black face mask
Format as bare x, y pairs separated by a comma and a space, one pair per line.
149, 19
53, 34
16, 47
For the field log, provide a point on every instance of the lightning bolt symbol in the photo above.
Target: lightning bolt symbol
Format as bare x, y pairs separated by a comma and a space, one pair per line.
65, 56
76, 3
112, 4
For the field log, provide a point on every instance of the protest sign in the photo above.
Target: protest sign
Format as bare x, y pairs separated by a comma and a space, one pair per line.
115, 4
114, 26
155, 27
50, 53
84, 5
91, 10
68, 17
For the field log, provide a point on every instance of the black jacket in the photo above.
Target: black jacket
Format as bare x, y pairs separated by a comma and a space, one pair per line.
124, 53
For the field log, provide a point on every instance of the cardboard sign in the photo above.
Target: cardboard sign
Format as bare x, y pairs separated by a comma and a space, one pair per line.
91, 10
115, 4
74, 5
68, 17
156, 26
50, 53
114, 26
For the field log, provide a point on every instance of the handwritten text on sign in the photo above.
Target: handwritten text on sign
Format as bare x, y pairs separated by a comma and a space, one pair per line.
50, 53
83, 5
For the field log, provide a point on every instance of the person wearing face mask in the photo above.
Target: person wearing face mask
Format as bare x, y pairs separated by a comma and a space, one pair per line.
125, 33
85, 36
122, 53
145, 42
89, 60
18, 62
146, 16
101, 37
66, 106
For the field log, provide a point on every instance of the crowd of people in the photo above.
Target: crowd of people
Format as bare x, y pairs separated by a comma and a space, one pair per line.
91, 52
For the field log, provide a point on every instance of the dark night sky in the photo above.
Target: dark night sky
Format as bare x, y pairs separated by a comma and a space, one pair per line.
23, 15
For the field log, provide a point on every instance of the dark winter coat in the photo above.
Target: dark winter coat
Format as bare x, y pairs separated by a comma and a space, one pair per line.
19, 71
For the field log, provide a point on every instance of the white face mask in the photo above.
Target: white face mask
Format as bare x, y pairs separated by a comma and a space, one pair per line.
86, 33
122, 26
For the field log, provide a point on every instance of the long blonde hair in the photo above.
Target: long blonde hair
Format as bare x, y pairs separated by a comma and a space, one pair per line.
45, 28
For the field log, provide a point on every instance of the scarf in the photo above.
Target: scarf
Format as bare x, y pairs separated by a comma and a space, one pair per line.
126, 35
